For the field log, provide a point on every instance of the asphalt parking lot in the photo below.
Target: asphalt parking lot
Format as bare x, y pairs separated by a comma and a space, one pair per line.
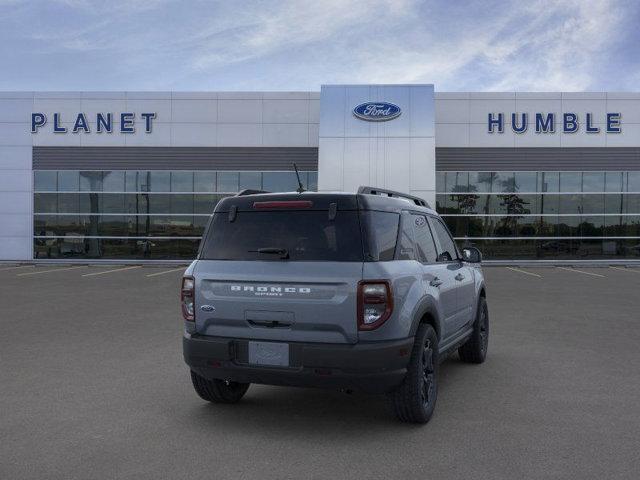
92, 385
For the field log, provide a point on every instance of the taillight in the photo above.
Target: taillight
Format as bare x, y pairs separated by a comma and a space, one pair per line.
187, 298
375, 303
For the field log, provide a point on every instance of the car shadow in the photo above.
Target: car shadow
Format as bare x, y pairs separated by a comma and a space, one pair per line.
317, 412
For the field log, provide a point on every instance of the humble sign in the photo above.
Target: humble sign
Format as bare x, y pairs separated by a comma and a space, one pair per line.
104, 122
550, 123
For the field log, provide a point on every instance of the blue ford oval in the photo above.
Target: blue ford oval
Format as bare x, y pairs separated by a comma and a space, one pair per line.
377, 111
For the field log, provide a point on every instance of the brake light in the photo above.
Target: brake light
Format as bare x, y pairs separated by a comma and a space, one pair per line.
187, 298
375, 303
283, 204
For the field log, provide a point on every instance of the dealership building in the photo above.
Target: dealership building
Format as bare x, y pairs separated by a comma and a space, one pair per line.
135, 175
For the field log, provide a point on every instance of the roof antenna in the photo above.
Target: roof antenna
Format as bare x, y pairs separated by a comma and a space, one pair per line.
300, 188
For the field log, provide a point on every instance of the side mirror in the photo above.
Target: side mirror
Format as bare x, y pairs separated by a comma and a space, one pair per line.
471, 255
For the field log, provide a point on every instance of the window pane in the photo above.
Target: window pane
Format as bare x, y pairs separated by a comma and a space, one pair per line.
633, 182
68, 181
227, 182
68, 203
252, 180
571, 182
181, 181
457, 181
279, 181
424, 239
570, 203
158, 203
527, 226
613, 182
113, 203
181, 203
592, 203
113, 181
457, 225
91, 181
480, 181
380, 234
526, 181
45, 181
204, 181
504, 182
447, 250
406, 242
440, 182
159, 182
549, 182
593, 182
313, 181
45, 203
136, 181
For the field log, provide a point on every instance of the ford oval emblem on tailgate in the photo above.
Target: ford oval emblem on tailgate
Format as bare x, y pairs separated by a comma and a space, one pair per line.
377, 111
207, 308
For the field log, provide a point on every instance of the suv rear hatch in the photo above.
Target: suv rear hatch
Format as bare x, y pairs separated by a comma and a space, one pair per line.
281, 267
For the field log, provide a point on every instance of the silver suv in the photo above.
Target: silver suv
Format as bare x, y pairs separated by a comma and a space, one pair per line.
363, 291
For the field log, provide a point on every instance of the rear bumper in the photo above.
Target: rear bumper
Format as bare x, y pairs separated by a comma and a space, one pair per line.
373, 367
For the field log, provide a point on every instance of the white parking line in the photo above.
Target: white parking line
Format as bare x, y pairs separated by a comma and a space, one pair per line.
633, 270
581, 271
49, 271
15, 268
522, 271
111, 271
166, 271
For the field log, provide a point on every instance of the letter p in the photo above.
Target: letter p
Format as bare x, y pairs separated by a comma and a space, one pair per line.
37, 121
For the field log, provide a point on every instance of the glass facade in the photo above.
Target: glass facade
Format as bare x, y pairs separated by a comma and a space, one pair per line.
543, 215
136, 214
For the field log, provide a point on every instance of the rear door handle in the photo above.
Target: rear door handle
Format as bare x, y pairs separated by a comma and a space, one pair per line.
459, 277
436, 282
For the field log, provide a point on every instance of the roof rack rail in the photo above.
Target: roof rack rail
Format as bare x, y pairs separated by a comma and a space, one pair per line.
249, 191
390, 193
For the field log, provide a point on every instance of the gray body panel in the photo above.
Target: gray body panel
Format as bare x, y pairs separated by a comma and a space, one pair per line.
278, 300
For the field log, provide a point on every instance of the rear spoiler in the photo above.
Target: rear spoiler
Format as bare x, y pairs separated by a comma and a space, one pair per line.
390, 193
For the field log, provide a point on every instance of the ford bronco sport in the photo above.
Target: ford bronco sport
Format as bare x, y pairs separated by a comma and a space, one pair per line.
364, 291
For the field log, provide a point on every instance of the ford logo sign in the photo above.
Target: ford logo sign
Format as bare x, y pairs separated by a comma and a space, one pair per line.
377, 111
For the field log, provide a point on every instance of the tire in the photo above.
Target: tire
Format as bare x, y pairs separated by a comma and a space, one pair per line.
218, 391
475, 349
415, 399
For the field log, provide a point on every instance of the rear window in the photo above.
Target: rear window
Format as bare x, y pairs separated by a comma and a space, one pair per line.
304, 236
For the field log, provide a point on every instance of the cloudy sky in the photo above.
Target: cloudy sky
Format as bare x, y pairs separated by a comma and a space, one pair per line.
535, 45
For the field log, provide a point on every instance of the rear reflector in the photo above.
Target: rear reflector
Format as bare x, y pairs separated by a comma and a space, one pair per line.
283, 204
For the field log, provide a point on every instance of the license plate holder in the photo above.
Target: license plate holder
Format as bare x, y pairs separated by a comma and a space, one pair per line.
274, 354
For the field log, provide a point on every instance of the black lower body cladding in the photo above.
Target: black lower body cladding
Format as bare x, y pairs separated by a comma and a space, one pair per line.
373, 367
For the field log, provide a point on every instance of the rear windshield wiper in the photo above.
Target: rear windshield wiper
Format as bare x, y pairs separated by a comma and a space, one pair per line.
283, 252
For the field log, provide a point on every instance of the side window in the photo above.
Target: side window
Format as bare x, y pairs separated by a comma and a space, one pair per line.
424, 241
447, 248
406, 243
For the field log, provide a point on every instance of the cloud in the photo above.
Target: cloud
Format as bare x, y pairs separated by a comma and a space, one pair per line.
299, 44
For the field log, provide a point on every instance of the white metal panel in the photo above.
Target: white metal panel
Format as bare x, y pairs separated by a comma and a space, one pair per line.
15, 181
356, 169
15, 202
452, 111
583, 139
68, 108
452, 134
103, 139
479, 109
239, 135
16, 248
330, 162
15, 158
15, 225
285, 135
239, 111
285, 111
531, 138
92, 106
313, 134
46, 136
194, 134
478, 137
332, 116
194, 111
